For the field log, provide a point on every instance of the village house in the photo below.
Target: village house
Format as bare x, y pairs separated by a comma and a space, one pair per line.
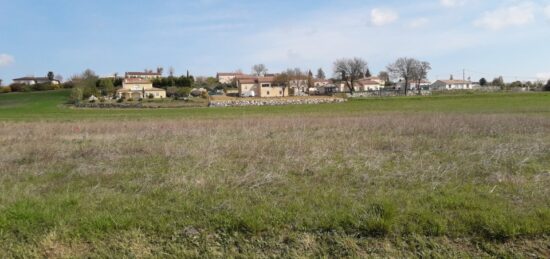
361, 85
31, 80
143, 75
413, 85
138, 88
452, 85
261, 86
228, 78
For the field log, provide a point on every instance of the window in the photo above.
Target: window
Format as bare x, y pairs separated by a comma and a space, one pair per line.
266, 85
267, 92
280, 92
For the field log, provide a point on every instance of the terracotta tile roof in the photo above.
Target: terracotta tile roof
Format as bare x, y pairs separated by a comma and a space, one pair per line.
255, 79
136, 81
229, 74
142, 74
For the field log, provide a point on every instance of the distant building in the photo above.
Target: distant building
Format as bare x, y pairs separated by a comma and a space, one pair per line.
413, 84
30, 80
227, 78
452, 85
137, 88
252, 86
143, 75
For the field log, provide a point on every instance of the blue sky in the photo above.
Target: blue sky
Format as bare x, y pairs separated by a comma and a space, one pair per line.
486, 37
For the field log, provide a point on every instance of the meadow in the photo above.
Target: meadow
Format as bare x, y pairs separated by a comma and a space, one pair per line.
446, 176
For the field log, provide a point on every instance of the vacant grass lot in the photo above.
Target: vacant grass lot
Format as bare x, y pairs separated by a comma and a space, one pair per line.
466, 176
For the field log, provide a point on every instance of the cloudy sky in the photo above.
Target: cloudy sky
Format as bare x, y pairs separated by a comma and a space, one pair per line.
486, 37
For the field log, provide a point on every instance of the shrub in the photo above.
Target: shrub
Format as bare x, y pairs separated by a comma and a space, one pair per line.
130, 100
120, 100
6, 89
76, 95
151, 96
140, 99
204, 95
102, 99
17, 87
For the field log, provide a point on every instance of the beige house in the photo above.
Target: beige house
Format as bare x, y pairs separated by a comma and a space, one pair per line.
260, 87
143, 75
137, 88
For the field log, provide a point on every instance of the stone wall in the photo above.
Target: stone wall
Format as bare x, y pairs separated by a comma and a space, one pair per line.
273, 101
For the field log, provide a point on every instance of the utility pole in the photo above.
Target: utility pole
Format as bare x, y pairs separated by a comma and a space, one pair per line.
463, 74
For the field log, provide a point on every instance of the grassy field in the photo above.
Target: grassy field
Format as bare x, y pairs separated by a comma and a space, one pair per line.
461, 176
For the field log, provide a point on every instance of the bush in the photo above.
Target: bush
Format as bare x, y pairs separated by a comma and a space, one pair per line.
76, 95
130, 100
17, 87
120, 100
102, 99
151, 96
140, 99
184, 92
6, 89
204, 95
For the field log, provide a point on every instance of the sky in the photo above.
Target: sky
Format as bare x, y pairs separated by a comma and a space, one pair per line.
478, 38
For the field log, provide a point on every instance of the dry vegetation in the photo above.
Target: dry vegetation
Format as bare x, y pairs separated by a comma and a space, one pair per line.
449, 185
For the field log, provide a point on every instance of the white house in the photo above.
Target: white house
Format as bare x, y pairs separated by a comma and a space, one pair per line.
31, 80
413, 85
452, 85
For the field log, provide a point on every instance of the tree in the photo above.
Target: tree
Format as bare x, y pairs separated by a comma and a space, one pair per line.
321, 74
499, 81
421, 73
283, 80
58, 78
107, 86
350, 70
404, 68
367, 73
160, 70
259, 70
547, 86
0, 82
383, 75
483, 82
51, 76
171, 72
87, 83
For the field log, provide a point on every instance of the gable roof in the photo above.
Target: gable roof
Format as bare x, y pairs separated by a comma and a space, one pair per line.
455, 82
142, 74
136, 81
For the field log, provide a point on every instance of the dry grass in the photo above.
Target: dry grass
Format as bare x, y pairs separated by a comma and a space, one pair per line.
299, 186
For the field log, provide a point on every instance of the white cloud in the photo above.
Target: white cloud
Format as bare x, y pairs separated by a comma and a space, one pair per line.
547, 12
517, 15
543, 76
6, 60
453, 3
418, 23
381, 17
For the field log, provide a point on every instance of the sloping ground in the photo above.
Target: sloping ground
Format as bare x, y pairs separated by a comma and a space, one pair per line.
383, 185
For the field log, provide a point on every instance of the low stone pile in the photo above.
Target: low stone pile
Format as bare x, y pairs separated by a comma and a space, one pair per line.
273, 101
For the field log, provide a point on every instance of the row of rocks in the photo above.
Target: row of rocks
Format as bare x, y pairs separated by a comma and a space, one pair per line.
273, 102
388, 93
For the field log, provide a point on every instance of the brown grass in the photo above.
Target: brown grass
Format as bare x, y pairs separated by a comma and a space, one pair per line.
289, 168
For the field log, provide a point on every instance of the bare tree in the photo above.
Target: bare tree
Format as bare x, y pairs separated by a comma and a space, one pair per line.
259, 70
283, 80
350, 70
59, 78
404, 68
384, 76
421, 73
